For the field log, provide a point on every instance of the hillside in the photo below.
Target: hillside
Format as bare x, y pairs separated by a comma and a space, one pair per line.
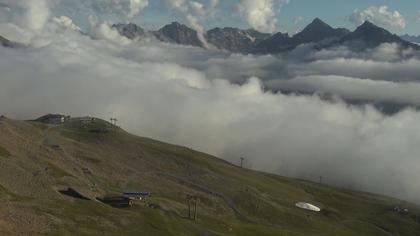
38, 160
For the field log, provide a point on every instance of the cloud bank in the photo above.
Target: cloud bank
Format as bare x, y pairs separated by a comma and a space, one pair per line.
225, 105
127, 8
380, 15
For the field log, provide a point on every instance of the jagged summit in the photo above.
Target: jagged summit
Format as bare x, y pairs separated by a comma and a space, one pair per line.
279, 42
368, 23
317, 22
176, 26
317, 31
179, 33
130, 30
369, 28
370, 35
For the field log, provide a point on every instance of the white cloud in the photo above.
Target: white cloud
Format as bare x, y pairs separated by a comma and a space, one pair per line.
104, 30
354, 88
29, 14
192, 11
66, 22
194, 8
213, 5
261, 15
195, 24
136, 6
127, 9
179, 5
198, 8
298, 20
380, 15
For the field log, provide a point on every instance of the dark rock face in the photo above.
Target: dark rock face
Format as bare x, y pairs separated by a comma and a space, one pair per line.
131, 31
172, 33
369, 35
235, 40
275, 44
318, 31
179, 34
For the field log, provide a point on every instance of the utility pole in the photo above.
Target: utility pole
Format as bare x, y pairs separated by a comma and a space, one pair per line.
194, 200
242, 162
195, 207
114, 123
189, 206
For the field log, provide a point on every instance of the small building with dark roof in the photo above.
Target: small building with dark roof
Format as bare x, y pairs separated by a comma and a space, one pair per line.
53, 119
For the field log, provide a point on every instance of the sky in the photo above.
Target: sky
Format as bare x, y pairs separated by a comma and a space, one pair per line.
291, 15
221, 103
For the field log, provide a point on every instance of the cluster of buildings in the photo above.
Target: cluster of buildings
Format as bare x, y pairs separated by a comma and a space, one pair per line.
60, 119
401, 210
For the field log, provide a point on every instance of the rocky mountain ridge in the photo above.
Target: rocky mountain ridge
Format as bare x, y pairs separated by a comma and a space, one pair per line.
317, 34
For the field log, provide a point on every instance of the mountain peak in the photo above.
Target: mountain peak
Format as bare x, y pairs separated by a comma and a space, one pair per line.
316, 31
176, 24
368, 24
130, 30
368, 28
318, 21
179, 33
370, 35
317, 25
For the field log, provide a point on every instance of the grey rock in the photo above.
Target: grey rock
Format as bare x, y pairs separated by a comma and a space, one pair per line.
130, 30
235, 40
368, 35
179, 34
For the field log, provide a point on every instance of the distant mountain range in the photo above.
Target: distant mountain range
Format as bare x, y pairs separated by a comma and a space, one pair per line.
411, 38
317, 34
370, 35
235, 40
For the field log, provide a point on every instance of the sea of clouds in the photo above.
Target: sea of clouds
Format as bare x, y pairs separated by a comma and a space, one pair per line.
224, 104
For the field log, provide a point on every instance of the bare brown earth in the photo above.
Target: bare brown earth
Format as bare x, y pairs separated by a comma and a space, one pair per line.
38, 160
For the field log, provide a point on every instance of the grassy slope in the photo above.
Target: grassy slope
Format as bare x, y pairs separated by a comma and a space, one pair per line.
43, 159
